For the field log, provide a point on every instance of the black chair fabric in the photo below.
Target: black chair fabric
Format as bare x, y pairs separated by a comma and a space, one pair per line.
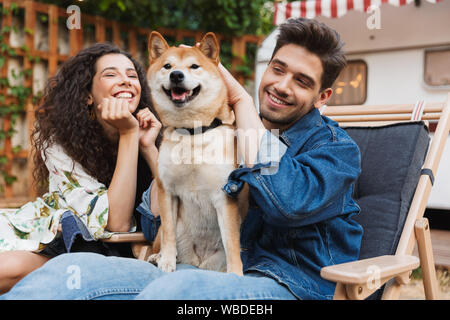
392, 157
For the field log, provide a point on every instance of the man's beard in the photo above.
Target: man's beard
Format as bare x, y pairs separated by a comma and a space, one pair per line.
287, 120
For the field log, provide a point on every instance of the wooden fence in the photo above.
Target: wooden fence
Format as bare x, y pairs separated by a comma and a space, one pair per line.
39, 30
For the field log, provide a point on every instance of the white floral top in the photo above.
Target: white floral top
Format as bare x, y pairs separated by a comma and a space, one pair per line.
35, 224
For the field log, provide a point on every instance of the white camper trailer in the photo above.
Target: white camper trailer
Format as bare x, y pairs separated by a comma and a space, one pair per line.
396, 54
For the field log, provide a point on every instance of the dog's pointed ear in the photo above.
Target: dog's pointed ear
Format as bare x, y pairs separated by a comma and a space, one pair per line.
157, 45
210, 47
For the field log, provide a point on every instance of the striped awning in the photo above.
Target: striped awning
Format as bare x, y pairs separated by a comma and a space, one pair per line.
328, 8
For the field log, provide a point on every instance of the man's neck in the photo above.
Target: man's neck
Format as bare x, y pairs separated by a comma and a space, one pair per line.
276, 126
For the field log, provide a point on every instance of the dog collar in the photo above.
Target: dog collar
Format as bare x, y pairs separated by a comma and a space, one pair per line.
216, 122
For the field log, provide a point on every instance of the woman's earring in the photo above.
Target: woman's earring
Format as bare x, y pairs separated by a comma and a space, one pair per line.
90, 107
91, 111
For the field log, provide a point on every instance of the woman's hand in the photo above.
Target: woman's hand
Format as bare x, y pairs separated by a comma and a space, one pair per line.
116, 113
149, 128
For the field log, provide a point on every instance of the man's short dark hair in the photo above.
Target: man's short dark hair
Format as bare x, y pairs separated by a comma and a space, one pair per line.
319, 39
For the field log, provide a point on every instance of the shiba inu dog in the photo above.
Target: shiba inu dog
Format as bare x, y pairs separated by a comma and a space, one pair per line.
200, 223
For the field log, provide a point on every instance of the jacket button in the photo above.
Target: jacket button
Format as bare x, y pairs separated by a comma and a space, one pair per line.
233, 187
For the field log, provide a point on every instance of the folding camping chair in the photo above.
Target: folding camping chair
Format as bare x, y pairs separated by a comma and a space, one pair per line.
398, 168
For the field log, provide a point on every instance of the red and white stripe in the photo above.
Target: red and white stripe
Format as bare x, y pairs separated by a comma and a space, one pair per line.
327, 8
418, 111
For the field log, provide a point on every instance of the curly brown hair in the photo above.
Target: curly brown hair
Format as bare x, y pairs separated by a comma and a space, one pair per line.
64, 116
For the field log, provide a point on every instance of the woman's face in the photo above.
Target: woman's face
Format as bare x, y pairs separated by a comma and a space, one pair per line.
115, 77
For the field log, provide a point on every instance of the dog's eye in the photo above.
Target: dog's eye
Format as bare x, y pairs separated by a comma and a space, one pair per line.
167, 66
195, 66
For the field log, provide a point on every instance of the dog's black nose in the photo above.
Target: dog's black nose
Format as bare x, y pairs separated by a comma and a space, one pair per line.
176, 76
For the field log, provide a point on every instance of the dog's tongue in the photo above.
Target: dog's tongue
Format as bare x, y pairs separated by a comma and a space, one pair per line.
178, 95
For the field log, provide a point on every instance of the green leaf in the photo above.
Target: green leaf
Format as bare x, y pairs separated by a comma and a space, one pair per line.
28, 31
43, 18
17, 149
14, 7
6, 29
11, 132
24, 48
11, 52
9, 180
28, 72
4, 82
121, 6
104, 5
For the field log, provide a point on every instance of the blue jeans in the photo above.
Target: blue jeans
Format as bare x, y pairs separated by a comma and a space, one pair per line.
93, 276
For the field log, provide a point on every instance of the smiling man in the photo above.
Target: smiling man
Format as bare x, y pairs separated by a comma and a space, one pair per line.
289, 87
300, 215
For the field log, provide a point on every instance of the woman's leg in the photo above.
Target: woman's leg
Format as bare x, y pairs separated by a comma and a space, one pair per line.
86, 276
203, 285
14, 265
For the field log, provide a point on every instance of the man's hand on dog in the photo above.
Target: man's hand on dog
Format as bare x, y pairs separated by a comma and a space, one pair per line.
236, 92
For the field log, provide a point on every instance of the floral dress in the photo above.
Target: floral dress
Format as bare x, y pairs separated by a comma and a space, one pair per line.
35, 224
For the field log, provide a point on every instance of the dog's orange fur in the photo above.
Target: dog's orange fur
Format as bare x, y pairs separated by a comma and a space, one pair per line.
180, 192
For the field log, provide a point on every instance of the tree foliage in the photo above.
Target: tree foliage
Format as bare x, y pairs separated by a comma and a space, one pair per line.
232, 17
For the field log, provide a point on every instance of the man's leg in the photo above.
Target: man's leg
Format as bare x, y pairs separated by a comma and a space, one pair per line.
85, 276
202, 284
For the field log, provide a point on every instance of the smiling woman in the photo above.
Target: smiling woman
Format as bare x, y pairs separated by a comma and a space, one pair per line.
95, 117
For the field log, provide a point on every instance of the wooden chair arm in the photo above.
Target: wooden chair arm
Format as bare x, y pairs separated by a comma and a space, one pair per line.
362, 278
361, 271
141, 248
126, 237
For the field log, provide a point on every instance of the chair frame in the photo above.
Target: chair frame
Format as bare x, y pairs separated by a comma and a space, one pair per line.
356, 280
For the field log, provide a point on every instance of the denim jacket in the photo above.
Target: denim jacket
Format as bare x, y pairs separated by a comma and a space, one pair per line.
300, 213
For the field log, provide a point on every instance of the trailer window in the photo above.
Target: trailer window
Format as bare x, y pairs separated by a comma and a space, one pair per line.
437, 67
351, 85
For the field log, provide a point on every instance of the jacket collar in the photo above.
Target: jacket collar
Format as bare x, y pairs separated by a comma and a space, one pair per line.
312, 119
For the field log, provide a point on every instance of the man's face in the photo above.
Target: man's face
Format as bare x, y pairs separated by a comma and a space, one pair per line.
290, 87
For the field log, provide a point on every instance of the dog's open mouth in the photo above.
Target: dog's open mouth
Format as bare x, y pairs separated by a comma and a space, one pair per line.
180, 95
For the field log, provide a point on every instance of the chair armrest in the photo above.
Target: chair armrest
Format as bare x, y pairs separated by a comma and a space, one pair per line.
362, 278
139, 245
126, 237
361, 271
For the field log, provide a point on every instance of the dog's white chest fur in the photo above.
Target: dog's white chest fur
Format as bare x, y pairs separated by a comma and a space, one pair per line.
194, 168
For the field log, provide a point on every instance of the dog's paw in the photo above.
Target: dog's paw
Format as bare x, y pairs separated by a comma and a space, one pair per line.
154, 258
167, 264
236, 270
